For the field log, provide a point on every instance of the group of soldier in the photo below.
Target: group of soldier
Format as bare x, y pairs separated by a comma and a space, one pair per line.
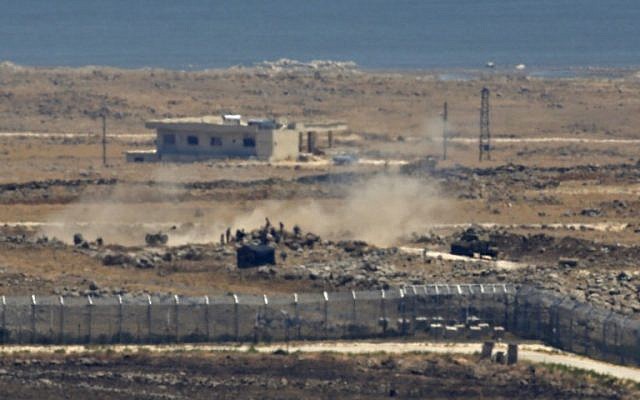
267, 234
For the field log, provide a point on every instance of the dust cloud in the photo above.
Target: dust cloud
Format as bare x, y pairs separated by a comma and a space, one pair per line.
380, 211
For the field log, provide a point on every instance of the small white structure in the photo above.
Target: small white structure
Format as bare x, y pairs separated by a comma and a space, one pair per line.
193, 139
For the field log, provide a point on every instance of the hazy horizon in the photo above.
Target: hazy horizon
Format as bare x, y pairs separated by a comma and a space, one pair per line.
409, 34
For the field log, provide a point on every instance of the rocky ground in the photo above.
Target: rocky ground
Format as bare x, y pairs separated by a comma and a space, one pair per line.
581, 269
63, 99
292, 376
559, 200
563, 232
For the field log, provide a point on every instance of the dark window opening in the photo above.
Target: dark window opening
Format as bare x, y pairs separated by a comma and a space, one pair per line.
216, 141
249, 142
138, 159
169, 139
192, 140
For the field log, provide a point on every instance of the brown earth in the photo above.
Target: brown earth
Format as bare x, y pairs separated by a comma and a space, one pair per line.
69, 100
200, 375
549, 201
392, 116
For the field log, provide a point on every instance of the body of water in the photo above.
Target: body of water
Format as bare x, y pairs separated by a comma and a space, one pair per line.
400, 34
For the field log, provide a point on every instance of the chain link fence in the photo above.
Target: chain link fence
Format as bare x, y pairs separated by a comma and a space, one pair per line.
576, 326
438, 311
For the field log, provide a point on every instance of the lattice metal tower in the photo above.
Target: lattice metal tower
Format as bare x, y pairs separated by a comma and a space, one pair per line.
485, 131
445, 117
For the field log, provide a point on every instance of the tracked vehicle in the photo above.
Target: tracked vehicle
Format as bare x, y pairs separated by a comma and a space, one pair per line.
470, 244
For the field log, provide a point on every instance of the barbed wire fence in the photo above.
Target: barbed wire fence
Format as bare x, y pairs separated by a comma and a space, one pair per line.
440, 311
451, 312
575, 326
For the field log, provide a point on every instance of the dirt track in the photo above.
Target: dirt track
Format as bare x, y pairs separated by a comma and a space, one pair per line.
534, 353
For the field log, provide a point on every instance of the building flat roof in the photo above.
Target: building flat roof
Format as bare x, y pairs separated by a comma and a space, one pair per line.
215, 120
204, 121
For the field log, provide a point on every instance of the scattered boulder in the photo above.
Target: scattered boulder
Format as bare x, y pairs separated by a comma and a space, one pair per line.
591, 212
568, 262
143, 262
111, 258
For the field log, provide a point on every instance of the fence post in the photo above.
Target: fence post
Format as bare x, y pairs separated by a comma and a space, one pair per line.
61, 301
176, 301
383, 312
89, 317
539, 326
414, 310
459, 302
120, 317
571, 326
605, 347
4, 320
590, 345
506, 307
637, 351
354, 315
554, 317
527, 316
326, 314
149, 329
206, 317
470, 299
33, 318
403, 307
287, 324
297, 315
446, 300
621, 330
263, 320
236, 326
516, 312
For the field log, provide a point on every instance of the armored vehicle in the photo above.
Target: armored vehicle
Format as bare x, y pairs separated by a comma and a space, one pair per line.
470, 243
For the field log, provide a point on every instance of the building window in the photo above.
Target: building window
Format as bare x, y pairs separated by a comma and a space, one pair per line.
249, 142
169, 139
192, 140
216, 141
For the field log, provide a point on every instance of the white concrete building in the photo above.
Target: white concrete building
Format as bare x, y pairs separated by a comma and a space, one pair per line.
193, 139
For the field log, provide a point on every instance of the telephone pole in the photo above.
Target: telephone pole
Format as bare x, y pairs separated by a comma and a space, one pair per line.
444, 131
485, 132
104, 139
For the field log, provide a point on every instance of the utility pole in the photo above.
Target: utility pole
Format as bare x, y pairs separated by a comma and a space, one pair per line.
444, 131
104, 139
485, 132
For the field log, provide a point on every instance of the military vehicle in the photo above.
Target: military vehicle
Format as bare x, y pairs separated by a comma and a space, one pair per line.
156, 239
470, 244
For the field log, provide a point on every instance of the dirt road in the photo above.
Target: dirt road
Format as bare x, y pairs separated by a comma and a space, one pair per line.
535, 353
